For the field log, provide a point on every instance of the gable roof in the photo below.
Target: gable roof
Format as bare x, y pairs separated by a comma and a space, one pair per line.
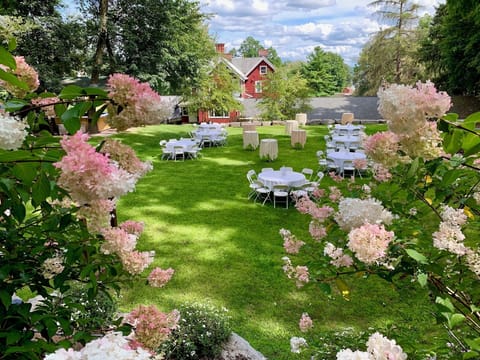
235, 69
247, 65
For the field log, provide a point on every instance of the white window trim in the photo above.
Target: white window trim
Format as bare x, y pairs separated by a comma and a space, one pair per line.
258, 87
213, 114
263, 69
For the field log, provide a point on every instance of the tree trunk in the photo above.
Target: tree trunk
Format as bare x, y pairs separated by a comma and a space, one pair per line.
102, 42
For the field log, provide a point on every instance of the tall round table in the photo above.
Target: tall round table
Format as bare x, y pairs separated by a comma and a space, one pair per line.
268, 149
250, 140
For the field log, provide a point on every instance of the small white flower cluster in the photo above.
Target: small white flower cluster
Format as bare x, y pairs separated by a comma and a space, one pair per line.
449, 235
52, 267
12, 132
378, 348
113, 346
353, 213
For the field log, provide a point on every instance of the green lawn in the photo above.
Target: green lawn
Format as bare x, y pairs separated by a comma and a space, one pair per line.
226, 250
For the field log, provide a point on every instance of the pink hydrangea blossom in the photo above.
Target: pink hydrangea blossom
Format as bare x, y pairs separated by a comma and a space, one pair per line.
152, 327
305, 323
134, 262
369, 242
317, 230
381, 173
299, 273
47, 105
89, 175
290, 242
25, 73
335, 193
159, 277
125, 157
97, 214
132, 227
354, 212
383, 147
135, 103
339, 258
117, 241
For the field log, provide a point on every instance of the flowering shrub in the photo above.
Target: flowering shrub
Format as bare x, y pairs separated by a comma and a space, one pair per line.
200, 334
418, 219
139, 104
57, 224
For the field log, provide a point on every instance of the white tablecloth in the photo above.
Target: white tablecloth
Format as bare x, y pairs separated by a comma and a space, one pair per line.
347, 129
347, 140
249, 127
340, 156
250, 139
301, 118
186, 144
299, 137
290, 125
279, 177
269, 149
347, 118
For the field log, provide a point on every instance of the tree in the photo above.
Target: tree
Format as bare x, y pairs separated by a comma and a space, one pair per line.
390, 55
326, 72
401, 14
215, 91
53, 46
251, 47
285, 93
165, 43
451, 48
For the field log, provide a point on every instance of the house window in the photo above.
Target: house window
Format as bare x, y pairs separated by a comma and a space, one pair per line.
258, 86
218, 114
263, 70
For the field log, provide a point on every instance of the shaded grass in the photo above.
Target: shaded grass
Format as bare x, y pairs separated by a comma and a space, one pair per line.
227, 250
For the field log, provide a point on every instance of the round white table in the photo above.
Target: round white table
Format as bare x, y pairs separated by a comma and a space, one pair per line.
268, 149
186, 144
339, 157
290, 125
249, 127
279, 177
250, 140
298, 137
347, 129
347, 140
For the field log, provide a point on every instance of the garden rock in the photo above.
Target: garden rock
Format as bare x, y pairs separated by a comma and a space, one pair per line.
238, 348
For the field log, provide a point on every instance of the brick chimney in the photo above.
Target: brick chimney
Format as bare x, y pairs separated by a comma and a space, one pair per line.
220, 48
263, 52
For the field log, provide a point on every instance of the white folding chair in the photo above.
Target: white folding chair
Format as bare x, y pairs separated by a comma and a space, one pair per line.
178, 152
308, 173
280, 191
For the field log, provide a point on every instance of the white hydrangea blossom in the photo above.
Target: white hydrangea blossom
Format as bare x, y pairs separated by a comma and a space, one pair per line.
382, 348
52, 267
113, 346
12, 132
353, 213
348, 354
296, 343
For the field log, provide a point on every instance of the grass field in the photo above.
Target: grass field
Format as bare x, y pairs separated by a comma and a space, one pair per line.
227, 251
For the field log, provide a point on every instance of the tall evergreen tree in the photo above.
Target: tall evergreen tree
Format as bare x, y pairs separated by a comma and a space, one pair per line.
326, 72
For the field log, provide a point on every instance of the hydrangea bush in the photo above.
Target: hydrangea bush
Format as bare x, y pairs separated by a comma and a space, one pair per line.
417, 219
58, 229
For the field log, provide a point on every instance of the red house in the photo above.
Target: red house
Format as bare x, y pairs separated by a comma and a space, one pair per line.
250, 73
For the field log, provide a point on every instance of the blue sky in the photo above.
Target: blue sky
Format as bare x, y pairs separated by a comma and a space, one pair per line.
295, 27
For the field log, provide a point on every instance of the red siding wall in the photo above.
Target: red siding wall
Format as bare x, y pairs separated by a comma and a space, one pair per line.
252, 78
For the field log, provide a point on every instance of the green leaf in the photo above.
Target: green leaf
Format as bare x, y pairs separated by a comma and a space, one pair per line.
325, 288
15, 105
5, 298
471, 144
7, 59
70, 92
18, 211
471, 121
25, 172
95, 91
343, 287
452, 142
40, 190
12, 79
422, 279
471, 355
473, 343
413, 168
446, 303
455, 320
420, 258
